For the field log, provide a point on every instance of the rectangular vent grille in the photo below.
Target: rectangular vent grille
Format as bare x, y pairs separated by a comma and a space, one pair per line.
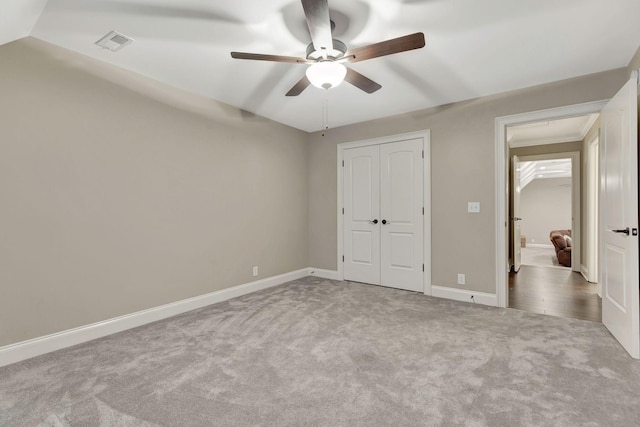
114, 41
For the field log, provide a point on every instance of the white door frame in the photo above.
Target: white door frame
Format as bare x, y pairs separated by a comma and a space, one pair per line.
576, 212
501, 181
426, 138
592, 202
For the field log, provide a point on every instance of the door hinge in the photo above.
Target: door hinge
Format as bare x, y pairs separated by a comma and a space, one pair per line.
342, 258
343, 163
423, 210
422, 267
342, 211
423, 154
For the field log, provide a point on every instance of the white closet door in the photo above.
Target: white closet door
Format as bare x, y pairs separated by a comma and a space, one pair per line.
361, 186
401, 202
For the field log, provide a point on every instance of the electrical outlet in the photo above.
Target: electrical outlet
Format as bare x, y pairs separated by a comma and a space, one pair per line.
461, 279
255, 271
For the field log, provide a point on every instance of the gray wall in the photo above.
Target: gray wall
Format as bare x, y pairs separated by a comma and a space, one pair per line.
545, 205
463, 169
119, 194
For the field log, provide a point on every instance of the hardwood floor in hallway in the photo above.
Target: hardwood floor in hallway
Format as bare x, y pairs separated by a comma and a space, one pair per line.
556, 292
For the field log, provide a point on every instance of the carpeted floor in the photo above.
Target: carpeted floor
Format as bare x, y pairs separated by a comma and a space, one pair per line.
315, 352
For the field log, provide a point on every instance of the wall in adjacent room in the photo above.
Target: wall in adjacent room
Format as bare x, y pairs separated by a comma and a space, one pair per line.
545, 205
463, 163
118, 193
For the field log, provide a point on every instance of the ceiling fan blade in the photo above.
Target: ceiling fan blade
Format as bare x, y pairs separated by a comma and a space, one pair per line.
389, 47
299, 87
273, 58
361, 82
319, 22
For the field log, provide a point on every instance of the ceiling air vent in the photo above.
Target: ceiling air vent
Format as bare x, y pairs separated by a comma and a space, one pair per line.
114, 41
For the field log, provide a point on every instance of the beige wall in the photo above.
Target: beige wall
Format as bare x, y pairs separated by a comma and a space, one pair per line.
463, 169
114, 200
545, 205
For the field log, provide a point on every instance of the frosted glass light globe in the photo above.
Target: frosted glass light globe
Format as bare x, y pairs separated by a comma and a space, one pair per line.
326, 74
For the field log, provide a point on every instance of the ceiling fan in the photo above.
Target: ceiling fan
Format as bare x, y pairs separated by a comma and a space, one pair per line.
326, 56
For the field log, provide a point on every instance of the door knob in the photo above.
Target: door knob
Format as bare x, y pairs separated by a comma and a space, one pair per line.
375, 221
384, 221
515, 218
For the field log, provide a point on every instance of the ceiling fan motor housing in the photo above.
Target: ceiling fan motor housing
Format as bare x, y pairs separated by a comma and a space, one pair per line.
336, 52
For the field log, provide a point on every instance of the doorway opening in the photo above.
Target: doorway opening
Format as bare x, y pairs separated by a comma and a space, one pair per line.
549, 225
546, 275
543, 229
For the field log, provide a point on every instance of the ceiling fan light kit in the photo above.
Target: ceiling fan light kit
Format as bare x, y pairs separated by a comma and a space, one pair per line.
326, 74
326, 55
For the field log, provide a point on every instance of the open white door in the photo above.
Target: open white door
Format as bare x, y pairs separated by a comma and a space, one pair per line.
515, 219
619, 217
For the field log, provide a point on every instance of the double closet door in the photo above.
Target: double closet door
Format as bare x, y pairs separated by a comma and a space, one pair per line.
383, 214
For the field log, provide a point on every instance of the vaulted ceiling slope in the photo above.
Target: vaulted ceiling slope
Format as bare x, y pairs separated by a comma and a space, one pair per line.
474, 48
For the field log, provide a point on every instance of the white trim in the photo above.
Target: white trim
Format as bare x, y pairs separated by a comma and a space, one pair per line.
501, 172
464, 295
585, 273
426, 138
591, 202
324, 274
34, 347
545, 141
539, 245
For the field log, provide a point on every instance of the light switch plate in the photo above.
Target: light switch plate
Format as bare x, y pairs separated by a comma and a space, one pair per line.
473, 207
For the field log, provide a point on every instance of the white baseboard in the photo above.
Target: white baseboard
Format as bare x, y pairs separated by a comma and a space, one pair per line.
325, 274
584, 271
539, 245
586, 274
464, 295
34, 347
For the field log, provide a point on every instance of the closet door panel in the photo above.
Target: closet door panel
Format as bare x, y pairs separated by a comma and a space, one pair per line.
361, 191
401, 210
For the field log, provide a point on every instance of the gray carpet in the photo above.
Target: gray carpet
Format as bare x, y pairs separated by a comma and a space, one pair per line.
315, 352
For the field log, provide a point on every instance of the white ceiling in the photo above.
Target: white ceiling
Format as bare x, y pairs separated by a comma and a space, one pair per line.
474, 48
550, 131
543, 169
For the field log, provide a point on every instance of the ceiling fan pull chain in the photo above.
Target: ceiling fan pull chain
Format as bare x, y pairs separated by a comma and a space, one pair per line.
325, 112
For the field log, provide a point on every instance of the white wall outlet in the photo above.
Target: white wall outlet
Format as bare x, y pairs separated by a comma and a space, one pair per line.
473, 207
461, 279
255, 271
